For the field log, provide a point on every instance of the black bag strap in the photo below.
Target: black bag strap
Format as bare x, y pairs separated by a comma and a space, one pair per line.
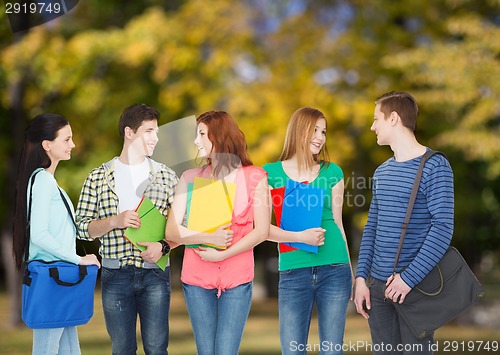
28, 221
54, 273
69, 210
411, 202
80, 248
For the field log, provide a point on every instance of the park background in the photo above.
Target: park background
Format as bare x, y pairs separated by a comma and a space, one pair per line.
261, 60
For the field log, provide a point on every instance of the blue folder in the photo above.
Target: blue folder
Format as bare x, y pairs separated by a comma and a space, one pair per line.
302, 209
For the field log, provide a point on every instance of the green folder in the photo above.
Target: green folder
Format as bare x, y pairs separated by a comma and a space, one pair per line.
152, 228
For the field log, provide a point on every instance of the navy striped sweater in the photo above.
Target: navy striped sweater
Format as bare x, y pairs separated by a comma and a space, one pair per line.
431, 225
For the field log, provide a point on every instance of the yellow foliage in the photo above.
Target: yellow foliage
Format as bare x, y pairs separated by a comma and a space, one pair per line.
458, 80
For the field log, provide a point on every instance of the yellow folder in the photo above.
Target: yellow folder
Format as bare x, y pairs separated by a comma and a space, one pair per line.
210, 206
152, 228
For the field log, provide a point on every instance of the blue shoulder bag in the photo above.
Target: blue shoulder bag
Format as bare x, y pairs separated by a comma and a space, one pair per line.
56, 294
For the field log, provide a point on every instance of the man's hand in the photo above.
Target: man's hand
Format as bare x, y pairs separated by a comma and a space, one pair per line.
126, 219
362, 297
152, 253
396, 288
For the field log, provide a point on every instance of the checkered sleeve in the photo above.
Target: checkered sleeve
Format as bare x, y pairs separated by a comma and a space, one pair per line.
99, 201
86, 210
162, 190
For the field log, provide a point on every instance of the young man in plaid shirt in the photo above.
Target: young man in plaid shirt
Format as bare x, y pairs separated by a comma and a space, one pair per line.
132, 284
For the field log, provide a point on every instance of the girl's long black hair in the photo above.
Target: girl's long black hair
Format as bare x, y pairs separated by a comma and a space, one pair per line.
43, 127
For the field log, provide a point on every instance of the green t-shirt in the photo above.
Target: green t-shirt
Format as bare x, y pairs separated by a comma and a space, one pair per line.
334, 251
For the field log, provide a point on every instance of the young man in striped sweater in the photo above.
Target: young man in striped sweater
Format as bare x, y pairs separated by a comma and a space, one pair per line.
428, 235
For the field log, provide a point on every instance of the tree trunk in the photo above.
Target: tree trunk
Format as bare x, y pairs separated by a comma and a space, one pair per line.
13, 280
17, 120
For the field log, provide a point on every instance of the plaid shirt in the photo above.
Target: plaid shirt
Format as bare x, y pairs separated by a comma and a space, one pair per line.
98, 200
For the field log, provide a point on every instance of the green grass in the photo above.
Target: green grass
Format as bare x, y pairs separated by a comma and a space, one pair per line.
261, 332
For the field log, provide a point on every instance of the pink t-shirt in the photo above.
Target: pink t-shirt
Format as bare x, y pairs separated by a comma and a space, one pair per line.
238, 269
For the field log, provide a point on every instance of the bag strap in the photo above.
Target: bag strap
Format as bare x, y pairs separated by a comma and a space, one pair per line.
54, 273
28, 221
411, 202
69, 210
80, 248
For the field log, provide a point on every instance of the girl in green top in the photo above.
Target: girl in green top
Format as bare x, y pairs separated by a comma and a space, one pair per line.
307, 278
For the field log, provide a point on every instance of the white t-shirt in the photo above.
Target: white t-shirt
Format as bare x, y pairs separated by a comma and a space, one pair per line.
130, 183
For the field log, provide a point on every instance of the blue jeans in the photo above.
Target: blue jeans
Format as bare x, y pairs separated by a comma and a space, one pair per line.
131, 291
218, 322
329, 287
387, 328
54, 341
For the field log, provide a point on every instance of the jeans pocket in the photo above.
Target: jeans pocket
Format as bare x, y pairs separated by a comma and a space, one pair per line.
164, 275
339, 266
106, 274
286, 272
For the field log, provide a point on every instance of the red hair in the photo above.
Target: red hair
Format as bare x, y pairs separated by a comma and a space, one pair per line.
227, 139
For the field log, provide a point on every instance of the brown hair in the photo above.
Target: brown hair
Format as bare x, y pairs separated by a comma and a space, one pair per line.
403, 104
227, 139
134, 115
298, 135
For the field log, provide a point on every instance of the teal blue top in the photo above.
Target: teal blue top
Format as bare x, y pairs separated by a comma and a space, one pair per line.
53, 235
334, 251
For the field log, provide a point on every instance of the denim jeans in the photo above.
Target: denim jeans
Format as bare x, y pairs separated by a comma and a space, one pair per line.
218, 322
132, 291
55, 341
387, 328
329, 287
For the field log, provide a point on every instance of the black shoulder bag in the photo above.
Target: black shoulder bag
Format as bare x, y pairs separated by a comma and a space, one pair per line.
447, 291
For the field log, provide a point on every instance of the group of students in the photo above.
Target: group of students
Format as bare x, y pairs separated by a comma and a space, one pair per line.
217, 284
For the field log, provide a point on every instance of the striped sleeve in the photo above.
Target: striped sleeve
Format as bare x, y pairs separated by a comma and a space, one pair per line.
368, 240
437, 186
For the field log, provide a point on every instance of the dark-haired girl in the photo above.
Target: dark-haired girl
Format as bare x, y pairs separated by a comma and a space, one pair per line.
48, 140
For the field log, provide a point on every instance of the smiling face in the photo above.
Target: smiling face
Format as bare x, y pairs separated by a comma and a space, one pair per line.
202, 141
318, 138
144, 140
381, 126
60, 148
